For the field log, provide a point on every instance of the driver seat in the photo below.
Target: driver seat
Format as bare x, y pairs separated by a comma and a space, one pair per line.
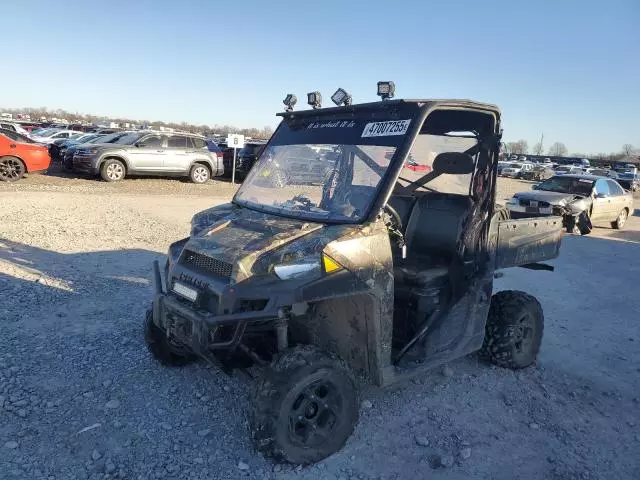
434, 230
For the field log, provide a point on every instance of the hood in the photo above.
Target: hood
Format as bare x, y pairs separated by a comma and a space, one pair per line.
240, 236
554, 198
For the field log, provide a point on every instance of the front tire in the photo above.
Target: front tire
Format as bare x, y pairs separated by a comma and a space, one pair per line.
168, 354
621, 220
513, 333
304, 407
112, 170
11, 169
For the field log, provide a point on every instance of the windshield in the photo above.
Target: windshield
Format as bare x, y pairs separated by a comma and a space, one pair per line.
317, 181
47, 132
128, 139
85, 138
105, 138
562, 184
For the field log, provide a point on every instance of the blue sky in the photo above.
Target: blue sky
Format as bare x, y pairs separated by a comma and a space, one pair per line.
570, 69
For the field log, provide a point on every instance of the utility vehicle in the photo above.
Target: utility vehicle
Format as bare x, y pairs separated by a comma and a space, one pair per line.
368, 275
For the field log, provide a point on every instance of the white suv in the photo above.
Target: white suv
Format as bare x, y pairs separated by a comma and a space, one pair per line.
516, 170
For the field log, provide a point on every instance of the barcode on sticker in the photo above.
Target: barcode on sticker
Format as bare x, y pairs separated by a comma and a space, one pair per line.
384, 129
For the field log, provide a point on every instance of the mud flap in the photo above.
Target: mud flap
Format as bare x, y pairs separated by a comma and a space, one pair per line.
527, 241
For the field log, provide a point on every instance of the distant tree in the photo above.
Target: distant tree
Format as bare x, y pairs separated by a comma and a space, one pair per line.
628, 150
518, 148
537, 149
558, 149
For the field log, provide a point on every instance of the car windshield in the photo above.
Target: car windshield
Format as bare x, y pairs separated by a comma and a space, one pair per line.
562, 184
128, 139
85, 138
47, 132
336, 182
105, 138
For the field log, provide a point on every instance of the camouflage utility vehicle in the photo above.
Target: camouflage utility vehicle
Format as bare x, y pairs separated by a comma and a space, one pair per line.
336, 266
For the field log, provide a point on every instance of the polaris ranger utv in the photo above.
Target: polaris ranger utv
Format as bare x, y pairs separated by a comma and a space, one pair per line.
335, 266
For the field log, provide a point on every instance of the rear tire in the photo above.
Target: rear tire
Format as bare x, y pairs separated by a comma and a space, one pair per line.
112, 170
514, 329
304, 407
169, 355
619, 223
11, 169
199, 173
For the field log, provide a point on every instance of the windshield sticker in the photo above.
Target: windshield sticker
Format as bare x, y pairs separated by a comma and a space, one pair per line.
583, 180
384, 129
332, 124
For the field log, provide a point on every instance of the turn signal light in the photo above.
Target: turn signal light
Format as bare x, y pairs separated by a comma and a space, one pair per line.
329, 264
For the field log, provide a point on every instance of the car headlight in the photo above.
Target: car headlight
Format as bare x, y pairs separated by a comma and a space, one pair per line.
297, 270
307, 268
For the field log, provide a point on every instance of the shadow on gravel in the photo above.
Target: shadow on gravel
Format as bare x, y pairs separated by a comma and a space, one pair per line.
72, 285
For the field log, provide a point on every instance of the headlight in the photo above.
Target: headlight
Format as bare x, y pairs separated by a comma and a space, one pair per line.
297, 270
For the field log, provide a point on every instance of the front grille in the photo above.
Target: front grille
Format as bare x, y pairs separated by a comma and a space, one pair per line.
527, 203
207, 264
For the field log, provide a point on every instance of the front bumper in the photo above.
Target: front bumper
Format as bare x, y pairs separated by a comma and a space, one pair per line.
86, 163
204, 331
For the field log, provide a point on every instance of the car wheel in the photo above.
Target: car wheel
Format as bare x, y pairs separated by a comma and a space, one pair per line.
304, 407
514, 328
11, 169
199, 173
112, 170
621, 220
168, 353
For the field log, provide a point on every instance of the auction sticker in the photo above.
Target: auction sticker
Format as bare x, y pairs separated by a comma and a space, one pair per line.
385, 129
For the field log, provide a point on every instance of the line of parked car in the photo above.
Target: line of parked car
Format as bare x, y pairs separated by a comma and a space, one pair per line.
626, 174
112, 155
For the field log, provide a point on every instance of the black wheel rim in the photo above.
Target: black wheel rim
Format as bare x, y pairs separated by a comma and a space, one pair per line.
523, 335
315, 414
11, 169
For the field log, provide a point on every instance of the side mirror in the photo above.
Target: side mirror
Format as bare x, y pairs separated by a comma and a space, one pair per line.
601, 195
535, 187
138, 145
453, 163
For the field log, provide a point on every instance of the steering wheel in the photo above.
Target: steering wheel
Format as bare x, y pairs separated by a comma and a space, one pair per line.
394, 215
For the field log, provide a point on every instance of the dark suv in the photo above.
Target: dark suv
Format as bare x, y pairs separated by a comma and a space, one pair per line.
245, 158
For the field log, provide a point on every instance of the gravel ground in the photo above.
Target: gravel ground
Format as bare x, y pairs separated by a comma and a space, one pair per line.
80, 396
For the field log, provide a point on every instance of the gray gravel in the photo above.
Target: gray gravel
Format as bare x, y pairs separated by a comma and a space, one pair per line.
80, 398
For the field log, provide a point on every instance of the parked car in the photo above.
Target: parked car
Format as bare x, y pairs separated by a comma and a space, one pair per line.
150, 153
55, 134
16, 127
58, 147
629, 181
579, 199
538, 172
67, 159
569, 170
20, 157
516, 169
246, 157
212, 145
13, 135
